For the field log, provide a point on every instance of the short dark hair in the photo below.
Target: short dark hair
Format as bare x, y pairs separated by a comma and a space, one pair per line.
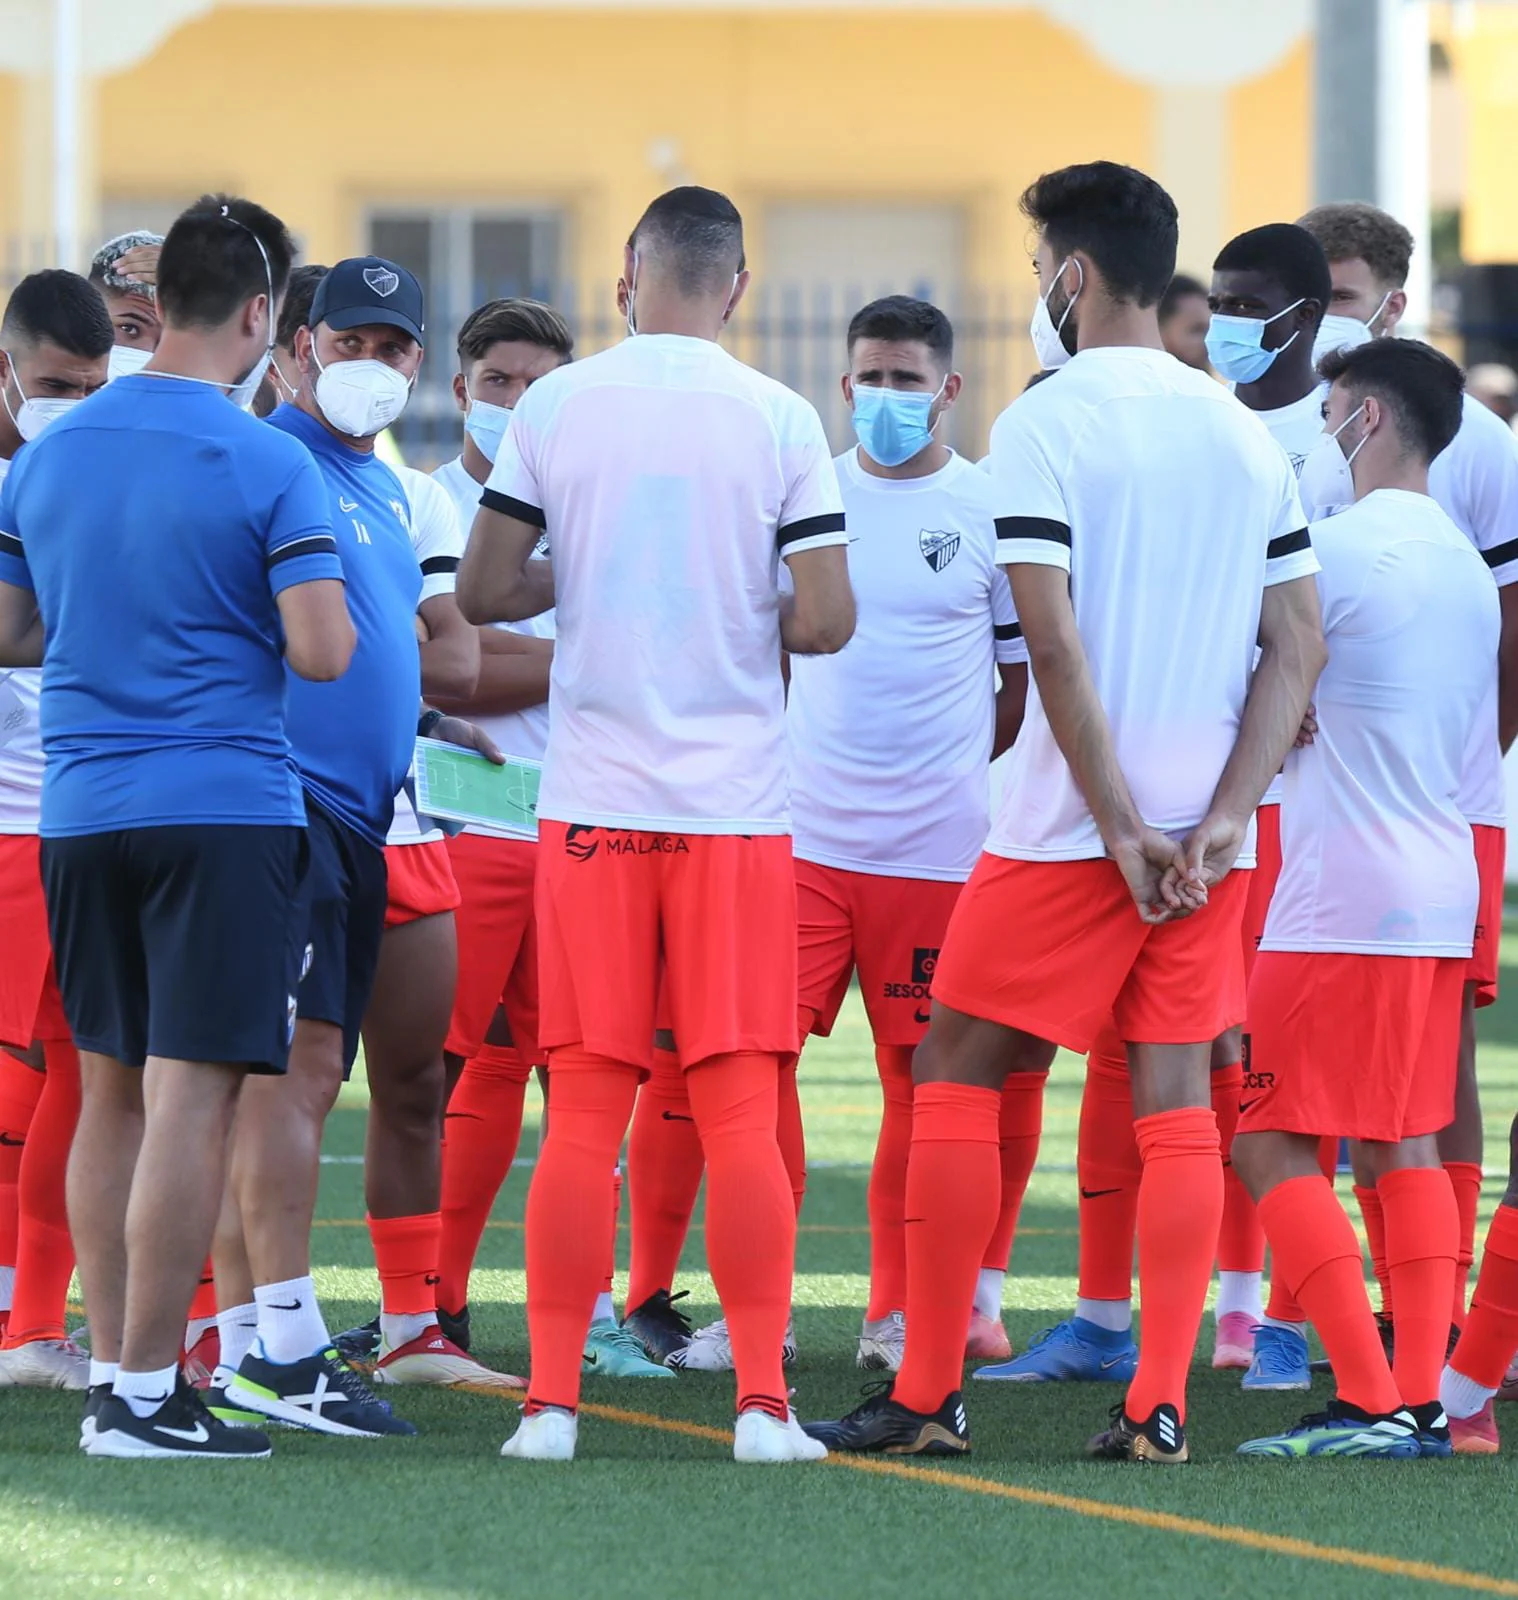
295, 309
1181, 287
1284, 252
1420, 387
61, 308
515, 321
1352, 230
1120, 217
900, 317
211, 264
701, 234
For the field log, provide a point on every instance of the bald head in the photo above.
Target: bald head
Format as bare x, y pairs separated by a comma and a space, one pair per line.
692, 240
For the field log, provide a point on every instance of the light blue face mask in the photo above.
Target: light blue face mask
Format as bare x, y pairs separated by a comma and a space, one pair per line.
892, 424
486, 424
1235, 345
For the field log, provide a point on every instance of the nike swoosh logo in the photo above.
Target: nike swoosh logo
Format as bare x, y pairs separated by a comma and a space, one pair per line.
346, 505
295, 1307
591, 1361
674, 1116
922, 1016
1244, 1105
196, 1435
1107, 1366
1096, 1194
14, 1144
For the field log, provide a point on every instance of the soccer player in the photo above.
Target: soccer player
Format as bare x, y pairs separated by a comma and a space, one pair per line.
889, 811
54, 342
1183, 317
161, 553
671, 481
1105, 887
1475, 482
125, 271
1354, 1005
357, 358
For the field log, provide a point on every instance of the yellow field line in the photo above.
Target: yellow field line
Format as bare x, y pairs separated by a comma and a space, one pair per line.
1100, 1510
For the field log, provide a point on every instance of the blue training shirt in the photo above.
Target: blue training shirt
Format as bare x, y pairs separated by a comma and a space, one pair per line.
353, 739
156, 523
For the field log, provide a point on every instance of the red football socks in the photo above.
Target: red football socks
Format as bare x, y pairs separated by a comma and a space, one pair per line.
1241, 1239
1465, 1177
1108, 1170
570, 1221
750, 1216
481, 1131
1022, 1123
406, 1252
888, 1183
664, 1166
44, 1248
1180, 1207
1316, 1248
1490, 1340
1422, 1241
953, 1199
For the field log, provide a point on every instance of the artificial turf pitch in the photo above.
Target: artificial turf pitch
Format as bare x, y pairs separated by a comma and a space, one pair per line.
655, 1505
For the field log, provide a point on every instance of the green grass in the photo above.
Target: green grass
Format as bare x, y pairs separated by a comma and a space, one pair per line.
645, 1512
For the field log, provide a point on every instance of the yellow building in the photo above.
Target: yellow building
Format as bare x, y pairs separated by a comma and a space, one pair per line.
496, 146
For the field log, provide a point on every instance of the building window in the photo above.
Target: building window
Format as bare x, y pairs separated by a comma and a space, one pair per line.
463, 256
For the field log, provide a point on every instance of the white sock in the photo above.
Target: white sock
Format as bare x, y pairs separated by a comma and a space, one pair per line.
102, 1372
1298, 1328
401, 1327
194, 1328
144, 1392
1240, 1291
1116, 1316
988, 1293
605, 1311
237, 1325
7, 1287
1461, 1397
290, 1325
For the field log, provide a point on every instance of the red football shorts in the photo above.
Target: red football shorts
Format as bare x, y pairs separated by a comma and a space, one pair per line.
711, 915
421, 882
30, 1006
1055, 948
1491, 865
498, 942
1262, 882
889, 928
1363, 1047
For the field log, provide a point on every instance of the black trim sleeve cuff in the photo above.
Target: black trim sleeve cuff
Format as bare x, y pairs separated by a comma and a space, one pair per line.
315, 544
1005, 632
809, 528
436, 564
1498, 556
504, 505
1032, 528
1288, 544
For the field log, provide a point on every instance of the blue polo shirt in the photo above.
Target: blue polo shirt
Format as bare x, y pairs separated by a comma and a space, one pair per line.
156, 523
353, 739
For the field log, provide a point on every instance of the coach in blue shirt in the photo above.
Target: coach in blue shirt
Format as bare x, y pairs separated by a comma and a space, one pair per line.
352, 740
170, 556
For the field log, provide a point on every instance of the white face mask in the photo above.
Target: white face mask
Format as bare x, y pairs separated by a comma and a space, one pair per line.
33, 415
486, 424
360, 398
125, 359
1047, 344
1337, 332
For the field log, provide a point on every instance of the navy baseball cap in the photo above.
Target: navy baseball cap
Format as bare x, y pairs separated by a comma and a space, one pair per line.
365, 290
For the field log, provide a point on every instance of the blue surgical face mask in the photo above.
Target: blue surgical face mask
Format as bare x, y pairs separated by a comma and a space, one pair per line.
486, 424
893, 424
1235, 345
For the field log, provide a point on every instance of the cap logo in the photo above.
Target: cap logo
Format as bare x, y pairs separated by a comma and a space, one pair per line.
382, 280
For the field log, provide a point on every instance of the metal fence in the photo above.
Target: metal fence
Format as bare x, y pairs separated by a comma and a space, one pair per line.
794, 332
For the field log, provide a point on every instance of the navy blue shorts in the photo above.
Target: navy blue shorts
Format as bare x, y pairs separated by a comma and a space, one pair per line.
346, 921
183, 942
